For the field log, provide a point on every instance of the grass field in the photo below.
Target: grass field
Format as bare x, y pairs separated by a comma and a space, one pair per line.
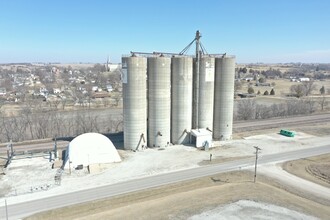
282, 88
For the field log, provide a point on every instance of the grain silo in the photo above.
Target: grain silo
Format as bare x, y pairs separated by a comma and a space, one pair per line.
223, 97
181, 92
134, 73
206, 92
159, 101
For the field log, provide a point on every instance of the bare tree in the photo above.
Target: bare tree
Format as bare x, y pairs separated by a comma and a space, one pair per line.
246, 109
300, 106
310, 104
54, 103
262, 112
237, 85
309, 86
323, 102
26, 114
278, 110
63, 102
86, 122
298, 90
117, 100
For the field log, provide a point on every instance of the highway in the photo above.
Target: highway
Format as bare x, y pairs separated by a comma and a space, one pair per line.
19, 210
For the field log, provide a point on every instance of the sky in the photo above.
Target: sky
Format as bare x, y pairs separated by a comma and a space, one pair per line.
71, 31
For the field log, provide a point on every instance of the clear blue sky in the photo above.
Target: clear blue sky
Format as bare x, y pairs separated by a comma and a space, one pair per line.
87, 31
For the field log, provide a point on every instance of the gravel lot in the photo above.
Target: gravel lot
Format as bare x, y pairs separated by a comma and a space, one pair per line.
33, 178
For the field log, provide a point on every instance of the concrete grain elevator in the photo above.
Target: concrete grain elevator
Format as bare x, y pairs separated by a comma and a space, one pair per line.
166, 95
134, 79
159, 101
181, 93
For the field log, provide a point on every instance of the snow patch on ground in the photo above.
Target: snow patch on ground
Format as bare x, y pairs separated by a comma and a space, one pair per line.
250, 210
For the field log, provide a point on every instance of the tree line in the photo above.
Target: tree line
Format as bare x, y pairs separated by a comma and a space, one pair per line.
41, 123
248, 109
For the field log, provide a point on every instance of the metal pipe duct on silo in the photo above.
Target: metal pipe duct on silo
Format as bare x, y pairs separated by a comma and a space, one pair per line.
134, 73
159, 101
224, 97
181, 92
206, 92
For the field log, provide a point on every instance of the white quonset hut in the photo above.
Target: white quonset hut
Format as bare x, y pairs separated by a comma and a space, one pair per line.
91, 148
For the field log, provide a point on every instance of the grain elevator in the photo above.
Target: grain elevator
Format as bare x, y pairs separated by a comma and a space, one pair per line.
167, 95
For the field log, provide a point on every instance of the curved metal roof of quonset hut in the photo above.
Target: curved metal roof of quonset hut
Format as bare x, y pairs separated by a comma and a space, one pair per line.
91, 148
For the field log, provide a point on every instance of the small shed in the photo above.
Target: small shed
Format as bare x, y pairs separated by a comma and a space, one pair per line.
201, 137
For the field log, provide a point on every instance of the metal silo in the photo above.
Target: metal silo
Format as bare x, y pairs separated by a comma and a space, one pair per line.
181, 92
134, 73
206, 92
224, 97
159, 101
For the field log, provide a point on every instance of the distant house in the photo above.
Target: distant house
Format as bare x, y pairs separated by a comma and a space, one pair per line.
246, 95
95, 88
248, 79
305, 79
262, 84
100, 95
109, 88
3, 91
56, 91
43, 91
302, 79
114, 66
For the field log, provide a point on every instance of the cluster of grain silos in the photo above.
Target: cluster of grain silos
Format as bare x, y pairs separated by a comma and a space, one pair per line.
158, 98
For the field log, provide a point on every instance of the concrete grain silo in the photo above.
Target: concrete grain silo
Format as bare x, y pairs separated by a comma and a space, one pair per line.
206, 92
134, 73
159, 101
181, 92
223, 97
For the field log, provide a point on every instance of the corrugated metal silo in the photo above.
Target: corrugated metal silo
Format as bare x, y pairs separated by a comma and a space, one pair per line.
224, 97
181, 92
134, 73
206, 92
159, 101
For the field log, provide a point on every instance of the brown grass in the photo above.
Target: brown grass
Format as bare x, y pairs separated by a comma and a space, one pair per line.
304, 169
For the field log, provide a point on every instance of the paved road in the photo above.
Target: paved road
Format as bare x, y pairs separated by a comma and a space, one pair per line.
276, 172
20, 210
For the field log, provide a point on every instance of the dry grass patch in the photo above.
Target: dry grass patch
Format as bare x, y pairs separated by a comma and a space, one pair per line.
315, 169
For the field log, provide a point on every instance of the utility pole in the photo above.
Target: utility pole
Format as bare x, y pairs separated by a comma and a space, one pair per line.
55, 148
255, 166
6, 209
11, 148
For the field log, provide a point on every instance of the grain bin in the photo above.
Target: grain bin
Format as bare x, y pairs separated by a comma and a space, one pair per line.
223, 97
134, 73
181, 93
159, 101
206, 92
